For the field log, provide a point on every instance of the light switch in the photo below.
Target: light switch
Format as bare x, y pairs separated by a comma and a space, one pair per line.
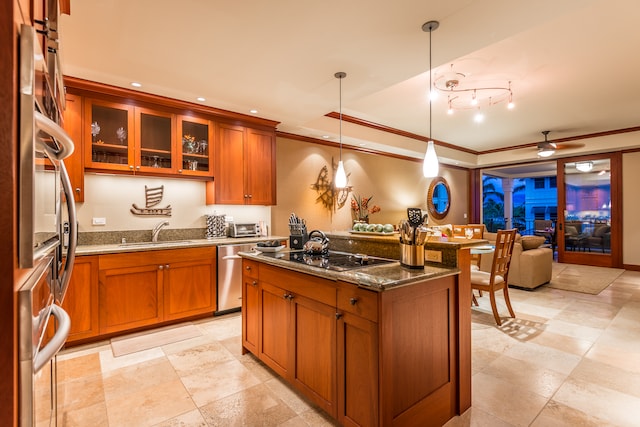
99, 221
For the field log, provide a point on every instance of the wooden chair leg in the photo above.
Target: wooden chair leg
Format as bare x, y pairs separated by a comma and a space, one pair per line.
494, 308
473, 299
505, 290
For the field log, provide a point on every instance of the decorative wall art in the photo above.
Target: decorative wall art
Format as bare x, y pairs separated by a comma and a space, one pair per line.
153, 197
329, 196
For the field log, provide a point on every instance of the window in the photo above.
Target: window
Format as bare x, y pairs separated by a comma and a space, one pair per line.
538, 183
552, 182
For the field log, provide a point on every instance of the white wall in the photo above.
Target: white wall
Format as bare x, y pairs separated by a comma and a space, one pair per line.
111, 197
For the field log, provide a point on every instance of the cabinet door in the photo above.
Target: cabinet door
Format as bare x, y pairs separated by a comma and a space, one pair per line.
75, 162
314, 369
130, 297
108, 134
154, 141
194, 146
229, 155
276, 345
260, 167
250, 313
189, 288
81, 300
357, 371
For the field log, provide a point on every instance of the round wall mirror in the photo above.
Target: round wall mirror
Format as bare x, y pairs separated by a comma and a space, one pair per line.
438, 198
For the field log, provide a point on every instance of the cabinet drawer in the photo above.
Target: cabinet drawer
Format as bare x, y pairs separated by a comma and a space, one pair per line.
250, 268
316, 288
361, 302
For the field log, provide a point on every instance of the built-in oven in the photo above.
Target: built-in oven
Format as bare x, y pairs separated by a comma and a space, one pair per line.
47, 231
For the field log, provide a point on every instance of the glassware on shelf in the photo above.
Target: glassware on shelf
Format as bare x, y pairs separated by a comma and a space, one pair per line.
121, 134
156, 163
202, 147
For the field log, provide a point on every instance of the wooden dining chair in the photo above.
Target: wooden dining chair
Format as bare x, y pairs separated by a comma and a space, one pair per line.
497, 279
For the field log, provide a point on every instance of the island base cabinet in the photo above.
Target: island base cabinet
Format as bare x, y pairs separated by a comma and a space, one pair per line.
357, 363
250, 315
314, 372
276, 350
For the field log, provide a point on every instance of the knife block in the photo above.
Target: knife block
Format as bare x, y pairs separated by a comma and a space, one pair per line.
297, 241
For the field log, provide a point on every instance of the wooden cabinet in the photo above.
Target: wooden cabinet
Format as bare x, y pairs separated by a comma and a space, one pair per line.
245, 166
195, 153
250, 316
81, 300
367, 358
75, 162
146, 288
297, 330
189, 288
357, 356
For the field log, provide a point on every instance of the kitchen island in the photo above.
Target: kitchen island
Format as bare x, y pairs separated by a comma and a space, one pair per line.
375, 345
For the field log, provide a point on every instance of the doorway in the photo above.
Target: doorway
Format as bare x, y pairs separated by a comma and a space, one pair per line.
589, 209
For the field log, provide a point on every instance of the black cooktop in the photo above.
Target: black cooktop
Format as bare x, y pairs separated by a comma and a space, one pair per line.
336, 261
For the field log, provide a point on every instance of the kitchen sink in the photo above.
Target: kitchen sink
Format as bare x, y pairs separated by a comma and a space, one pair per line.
155, 244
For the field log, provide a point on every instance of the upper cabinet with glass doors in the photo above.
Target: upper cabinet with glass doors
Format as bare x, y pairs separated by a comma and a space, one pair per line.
137, 139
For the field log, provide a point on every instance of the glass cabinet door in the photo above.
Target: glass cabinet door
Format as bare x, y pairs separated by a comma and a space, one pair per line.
108, 128
194, 146
154, 135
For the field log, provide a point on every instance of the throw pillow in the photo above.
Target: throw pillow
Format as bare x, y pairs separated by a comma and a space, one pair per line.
570, 230
531, 242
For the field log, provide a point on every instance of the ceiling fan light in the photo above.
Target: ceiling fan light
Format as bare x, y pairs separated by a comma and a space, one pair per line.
584, 166
546, 152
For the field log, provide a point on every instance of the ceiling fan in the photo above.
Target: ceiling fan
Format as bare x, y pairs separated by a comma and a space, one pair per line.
547, 148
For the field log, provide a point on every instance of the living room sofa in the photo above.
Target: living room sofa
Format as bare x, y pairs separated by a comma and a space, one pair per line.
530, 263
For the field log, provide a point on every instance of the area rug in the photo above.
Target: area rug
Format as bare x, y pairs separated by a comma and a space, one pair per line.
582, 278
145, 340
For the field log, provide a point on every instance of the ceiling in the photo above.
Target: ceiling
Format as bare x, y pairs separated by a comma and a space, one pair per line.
572, 66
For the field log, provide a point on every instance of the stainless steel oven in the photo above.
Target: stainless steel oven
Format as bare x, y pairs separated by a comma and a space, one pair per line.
47, 231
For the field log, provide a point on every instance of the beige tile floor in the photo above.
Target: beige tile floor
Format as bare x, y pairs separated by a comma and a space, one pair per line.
568, 359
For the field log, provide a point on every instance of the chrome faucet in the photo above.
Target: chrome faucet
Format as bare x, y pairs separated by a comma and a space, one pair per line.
156, 231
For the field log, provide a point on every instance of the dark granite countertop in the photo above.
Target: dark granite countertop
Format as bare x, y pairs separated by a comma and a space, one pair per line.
376, 277
99, 249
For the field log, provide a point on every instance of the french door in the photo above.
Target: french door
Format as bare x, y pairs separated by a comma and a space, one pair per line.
589, 210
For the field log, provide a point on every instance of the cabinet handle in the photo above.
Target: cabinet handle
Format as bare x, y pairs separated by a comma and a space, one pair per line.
254, 283
353, 301
338, 316
166, 266
78, 190
287, 296
138, 167
160, 267
179, 170
131, 167
248, 268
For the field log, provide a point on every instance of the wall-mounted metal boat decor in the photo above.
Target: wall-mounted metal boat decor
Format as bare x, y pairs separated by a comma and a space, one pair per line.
153, 197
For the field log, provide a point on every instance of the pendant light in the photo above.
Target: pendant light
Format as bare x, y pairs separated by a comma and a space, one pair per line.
341, 175
430, 166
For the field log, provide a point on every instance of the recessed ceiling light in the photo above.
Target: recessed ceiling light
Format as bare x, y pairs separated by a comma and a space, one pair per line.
254, 111
362, 144
326, 136
201, 99
136, 84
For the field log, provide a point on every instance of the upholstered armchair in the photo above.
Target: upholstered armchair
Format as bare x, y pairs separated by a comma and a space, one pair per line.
600, 238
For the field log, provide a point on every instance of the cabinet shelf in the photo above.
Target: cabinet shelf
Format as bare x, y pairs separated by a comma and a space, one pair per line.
111, 147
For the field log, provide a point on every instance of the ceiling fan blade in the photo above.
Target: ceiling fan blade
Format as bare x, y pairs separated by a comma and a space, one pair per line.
568, 145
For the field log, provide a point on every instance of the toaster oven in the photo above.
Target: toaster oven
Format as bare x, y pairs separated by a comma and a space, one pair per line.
245, 229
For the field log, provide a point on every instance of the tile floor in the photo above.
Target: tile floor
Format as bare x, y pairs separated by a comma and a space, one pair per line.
568, 359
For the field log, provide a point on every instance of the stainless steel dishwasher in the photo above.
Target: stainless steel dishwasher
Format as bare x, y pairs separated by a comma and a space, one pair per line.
230, 277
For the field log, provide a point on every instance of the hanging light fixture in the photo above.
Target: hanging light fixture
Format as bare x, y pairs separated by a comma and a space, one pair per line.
466, 92
546, 148
430, 166
341, 175
584, 166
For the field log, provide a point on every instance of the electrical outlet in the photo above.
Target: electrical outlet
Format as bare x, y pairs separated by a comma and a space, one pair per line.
433, 256
99, 221
465, 215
